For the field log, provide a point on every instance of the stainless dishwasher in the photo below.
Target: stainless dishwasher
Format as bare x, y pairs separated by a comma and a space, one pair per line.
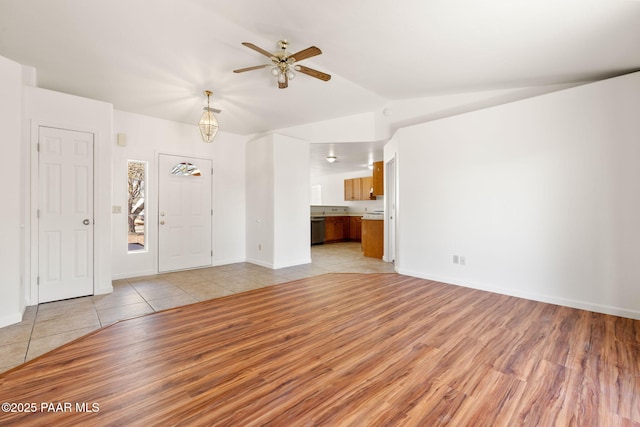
317, 230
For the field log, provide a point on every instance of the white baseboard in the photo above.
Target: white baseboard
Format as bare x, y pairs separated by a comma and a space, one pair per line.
293, 263
260, 263
280, 265
134, 274
566, 302
227, 262
10, 319
143, 273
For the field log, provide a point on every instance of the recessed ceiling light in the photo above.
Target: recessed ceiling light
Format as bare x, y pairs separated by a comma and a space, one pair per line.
331, 159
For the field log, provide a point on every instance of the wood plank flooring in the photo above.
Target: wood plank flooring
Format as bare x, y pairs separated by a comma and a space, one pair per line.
341, 350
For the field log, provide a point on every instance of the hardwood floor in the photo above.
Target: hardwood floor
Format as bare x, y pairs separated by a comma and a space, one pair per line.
339, 350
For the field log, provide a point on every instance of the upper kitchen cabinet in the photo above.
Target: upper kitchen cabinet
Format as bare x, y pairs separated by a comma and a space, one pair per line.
358, 188
367, 187
352, 190
378, 178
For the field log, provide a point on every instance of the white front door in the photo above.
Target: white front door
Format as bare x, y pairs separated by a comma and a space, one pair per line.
65, 214
184, 212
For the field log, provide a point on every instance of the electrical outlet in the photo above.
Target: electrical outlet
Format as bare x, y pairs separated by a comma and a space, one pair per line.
456, 259
463, 261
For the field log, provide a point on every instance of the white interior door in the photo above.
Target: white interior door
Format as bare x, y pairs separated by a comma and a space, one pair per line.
65, 214
184, 212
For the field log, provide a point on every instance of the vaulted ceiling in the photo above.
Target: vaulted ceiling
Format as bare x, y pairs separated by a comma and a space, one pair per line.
157, 57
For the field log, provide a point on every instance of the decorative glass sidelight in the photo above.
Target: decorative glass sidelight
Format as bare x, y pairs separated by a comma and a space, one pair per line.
137, 178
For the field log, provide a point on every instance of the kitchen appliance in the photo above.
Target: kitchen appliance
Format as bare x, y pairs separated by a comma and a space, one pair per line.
317, 230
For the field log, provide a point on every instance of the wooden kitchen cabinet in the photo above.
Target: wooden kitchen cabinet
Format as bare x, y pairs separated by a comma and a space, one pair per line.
355, 228
336, 228
365, 187
373, 237
358, 188
378, 178
352, 189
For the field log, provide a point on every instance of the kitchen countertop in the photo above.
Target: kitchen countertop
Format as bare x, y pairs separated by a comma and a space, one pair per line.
372, 217
341, 214
318, 211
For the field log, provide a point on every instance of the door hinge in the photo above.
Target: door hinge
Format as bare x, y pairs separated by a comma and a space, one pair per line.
211, 212
212, 252
38, 213
38, 147
38, 280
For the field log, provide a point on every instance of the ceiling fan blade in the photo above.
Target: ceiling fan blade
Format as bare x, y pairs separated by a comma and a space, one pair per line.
306, 53
258, 49
313, 73
257, 67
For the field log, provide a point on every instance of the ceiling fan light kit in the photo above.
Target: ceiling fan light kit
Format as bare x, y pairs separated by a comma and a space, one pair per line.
284, 63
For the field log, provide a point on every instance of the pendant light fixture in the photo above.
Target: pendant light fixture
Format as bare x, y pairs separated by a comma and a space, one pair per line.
208, 124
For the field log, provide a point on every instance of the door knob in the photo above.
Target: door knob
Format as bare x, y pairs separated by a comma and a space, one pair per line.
162, 222
86, 221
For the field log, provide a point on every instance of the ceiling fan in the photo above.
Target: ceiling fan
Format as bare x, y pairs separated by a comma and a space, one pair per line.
284, 63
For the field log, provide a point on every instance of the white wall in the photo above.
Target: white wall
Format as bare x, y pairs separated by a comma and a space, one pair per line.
278, 228
408, 112
46, 107
260, 201
146, 138
291, 202
540, 196
229, 186
12, 301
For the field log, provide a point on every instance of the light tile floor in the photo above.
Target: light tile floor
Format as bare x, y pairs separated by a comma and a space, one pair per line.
50, 325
